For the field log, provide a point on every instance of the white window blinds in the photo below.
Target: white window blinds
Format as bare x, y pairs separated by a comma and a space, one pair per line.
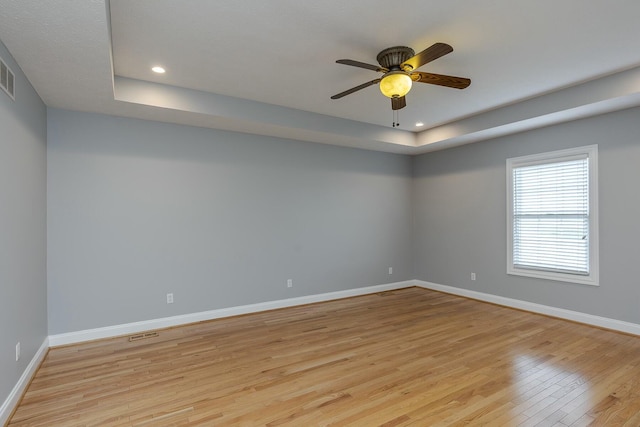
551, 216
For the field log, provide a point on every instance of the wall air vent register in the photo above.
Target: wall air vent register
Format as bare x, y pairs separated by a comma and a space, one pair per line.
7, 79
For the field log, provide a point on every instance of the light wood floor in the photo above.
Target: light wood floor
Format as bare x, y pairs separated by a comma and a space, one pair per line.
408, 357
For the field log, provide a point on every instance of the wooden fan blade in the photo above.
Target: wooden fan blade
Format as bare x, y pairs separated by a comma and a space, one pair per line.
355, 89
431, 53
440, 79
398, 103
362, 65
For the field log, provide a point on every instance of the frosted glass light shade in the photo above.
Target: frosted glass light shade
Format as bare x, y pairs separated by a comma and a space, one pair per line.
395, 84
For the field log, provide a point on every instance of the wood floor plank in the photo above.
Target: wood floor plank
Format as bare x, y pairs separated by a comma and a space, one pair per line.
411, 357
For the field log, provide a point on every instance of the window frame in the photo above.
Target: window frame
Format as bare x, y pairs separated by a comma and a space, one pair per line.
591, 151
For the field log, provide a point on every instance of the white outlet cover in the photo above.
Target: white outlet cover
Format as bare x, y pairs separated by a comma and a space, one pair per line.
17, 352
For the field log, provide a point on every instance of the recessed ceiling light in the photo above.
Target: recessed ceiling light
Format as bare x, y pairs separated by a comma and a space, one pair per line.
158, 70
419, 124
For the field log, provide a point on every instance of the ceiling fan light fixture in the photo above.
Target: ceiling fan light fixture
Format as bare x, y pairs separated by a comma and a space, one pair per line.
395, 84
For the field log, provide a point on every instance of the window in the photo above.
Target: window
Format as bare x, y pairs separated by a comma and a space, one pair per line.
552, 215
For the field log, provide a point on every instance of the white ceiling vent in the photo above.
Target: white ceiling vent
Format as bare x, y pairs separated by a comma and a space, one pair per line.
7, 80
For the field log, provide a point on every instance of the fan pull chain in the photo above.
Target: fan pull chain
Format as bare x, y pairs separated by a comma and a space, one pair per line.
396, 117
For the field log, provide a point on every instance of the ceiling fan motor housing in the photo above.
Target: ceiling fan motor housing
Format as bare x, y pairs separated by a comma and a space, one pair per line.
392, 57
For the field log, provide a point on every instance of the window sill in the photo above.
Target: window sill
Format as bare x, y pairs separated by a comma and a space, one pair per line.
561, 277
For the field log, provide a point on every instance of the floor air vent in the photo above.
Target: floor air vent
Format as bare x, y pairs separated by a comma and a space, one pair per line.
143, 336
7, 80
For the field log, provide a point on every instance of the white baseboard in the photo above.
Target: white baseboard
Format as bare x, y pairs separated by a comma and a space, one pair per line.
576, 316
14, 397
166, 322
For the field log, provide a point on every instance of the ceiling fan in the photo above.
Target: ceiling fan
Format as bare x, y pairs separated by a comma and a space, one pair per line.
398, 64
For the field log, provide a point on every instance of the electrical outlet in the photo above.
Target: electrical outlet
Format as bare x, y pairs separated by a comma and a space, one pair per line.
169, 298
390, 270
17, 351
289, 283
473, 276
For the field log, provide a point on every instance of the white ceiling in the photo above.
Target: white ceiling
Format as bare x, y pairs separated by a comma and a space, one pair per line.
268, 67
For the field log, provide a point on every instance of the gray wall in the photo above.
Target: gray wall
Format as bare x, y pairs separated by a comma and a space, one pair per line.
138, 209
460, 216
23, 307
